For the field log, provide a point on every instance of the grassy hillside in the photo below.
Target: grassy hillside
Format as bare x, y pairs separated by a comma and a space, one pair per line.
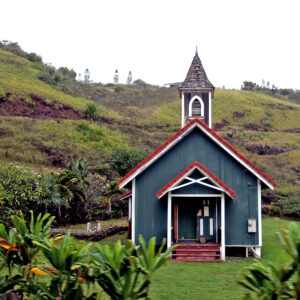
264, 128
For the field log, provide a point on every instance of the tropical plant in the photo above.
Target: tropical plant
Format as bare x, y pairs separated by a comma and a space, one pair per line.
69, 269
125, 272
268, 282
19, 248
79, 167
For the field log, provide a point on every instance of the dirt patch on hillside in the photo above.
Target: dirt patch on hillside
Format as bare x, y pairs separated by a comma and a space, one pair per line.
264, 149
56, 156
38, 108
238, 115
221, 125
293, 130
255, 127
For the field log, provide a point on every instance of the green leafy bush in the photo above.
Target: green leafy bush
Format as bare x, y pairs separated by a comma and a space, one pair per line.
119, 88
20, 190
266, 281
92, 111
36, 266
126, 159
90, 133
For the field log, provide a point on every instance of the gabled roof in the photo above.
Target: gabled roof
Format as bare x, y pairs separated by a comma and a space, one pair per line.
188, 170
125, 195
196, 76
213, 136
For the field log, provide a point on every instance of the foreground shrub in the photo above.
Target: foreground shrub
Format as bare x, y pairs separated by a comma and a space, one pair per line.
266, 281
126, 273
39, 267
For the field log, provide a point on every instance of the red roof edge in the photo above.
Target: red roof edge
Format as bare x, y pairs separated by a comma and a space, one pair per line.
125, 195
224, 142
206, 171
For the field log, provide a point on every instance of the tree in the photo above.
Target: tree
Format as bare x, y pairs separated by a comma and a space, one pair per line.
116, 77
87, 76
140, 83
249, 85
129, 78
124, 160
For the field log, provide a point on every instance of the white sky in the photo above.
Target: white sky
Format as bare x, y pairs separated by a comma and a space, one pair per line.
237, 40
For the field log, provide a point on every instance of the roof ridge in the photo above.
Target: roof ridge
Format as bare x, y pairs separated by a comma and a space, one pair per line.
223, 141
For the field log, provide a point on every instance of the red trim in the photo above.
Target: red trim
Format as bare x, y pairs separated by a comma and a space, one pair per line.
125, 195
211, 132
206, 171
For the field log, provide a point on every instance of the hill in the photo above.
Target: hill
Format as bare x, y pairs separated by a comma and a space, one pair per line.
43, 120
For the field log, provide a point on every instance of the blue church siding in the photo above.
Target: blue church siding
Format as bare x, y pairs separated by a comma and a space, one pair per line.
151, 213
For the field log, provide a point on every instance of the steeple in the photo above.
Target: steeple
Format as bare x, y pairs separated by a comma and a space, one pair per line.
196, 76
196, 93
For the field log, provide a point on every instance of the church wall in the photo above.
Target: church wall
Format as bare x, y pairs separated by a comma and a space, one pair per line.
151, 213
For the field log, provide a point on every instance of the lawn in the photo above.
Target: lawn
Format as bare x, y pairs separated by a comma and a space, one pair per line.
208, 280
212, 280
104, 224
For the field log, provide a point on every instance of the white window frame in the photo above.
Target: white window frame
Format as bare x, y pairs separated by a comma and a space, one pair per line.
191, 105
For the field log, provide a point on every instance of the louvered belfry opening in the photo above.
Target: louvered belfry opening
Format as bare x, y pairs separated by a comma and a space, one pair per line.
196, 84
196, 108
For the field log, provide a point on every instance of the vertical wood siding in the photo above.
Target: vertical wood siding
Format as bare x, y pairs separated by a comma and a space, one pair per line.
151, 213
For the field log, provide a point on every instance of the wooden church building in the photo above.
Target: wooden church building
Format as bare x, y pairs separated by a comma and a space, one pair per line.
196, 189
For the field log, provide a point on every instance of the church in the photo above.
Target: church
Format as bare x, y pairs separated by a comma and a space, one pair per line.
196, 190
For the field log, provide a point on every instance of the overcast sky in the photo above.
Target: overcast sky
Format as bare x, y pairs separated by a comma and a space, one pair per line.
237, 40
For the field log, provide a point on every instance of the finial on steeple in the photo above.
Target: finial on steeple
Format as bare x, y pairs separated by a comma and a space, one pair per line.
196, 50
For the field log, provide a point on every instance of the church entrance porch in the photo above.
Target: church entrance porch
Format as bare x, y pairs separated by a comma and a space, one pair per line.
196, 220
195, 223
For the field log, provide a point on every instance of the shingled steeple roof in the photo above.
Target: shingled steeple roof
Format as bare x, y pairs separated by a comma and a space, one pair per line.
196, 76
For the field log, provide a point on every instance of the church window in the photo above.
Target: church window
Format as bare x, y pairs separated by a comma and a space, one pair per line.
196, 107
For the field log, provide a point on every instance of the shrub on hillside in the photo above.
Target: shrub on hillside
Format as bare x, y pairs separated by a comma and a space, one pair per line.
119, 88
126, 159
33, 57
92, 111
90, 133
140, 84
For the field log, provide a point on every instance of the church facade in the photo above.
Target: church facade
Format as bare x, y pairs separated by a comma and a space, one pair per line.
196, 190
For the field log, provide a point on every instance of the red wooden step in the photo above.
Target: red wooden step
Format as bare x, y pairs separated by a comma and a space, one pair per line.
197, 244
197, 249
196, 259
190, 256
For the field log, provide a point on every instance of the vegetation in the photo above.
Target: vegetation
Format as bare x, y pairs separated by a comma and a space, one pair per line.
267, 281
197, 280
73, 195
72, 270
124, 160
138, 118
293, 95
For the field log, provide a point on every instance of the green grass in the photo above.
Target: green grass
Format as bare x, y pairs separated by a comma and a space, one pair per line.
104, 224
208, 281
143, 119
